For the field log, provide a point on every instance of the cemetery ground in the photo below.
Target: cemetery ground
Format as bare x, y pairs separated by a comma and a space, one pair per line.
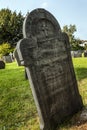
17, 108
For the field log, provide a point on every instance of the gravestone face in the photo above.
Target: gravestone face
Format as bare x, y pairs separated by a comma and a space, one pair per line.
45, 52
7, 59
77, 53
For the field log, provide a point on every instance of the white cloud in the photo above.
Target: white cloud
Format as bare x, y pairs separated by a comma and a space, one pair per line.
44, 5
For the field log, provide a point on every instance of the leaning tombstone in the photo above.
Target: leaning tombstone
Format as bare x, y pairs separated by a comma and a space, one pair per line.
2, 64
45, 52
78, 53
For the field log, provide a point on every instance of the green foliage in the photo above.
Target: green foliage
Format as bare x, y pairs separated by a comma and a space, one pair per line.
75, 43
5, 49
70, 30
10, 26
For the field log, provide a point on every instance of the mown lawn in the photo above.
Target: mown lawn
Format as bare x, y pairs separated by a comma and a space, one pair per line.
80, 66
17, 108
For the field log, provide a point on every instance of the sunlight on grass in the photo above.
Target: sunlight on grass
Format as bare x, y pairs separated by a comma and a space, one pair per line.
16, 101
80, 67
17, 107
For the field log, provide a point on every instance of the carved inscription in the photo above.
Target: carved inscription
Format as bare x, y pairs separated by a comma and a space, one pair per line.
44, 29
57, 83
50, 51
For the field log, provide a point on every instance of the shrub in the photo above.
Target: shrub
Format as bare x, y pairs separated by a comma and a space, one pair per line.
5, 49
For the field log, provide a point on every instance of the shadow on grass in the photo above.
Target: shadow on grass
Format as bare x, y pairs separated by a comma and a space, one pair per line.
81, 73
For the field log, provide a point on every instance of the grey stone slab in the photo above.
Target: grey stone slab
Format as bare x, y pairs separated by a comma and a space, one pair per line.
7, 59
45, 52
77, 53
2, 64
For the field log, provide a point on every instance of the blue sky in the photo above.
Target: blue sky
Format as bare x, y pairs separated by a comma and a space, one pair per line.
66, 11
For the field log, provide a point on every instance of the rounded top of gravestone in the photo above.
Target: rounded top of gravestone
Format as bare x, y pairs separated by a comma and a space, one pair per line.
41, 24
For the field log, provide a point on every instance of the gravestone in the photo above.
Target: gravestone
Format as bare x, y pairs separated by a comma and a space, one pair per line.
45, 52
76, 54
2, 64
7, 59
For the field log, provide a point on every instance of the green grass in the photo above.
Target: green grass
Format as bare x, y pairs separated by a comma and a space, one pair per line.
80, 66
17, 108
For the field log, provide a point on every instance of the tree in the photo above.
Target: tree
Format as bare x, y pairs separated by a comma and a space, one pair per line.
5, 49
70, 30
10, 26
75, 43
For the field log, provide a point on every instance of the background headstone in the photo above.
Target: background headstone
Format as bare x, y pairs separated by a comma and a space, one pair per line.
12, 56
85, 53
7, 59
76, 53
2, 64
45, 52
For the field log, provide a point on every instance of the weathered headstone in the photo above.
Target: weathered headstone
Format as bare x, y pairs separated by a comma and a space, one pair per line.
2, 64
45, 52
7, 59
76, 54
